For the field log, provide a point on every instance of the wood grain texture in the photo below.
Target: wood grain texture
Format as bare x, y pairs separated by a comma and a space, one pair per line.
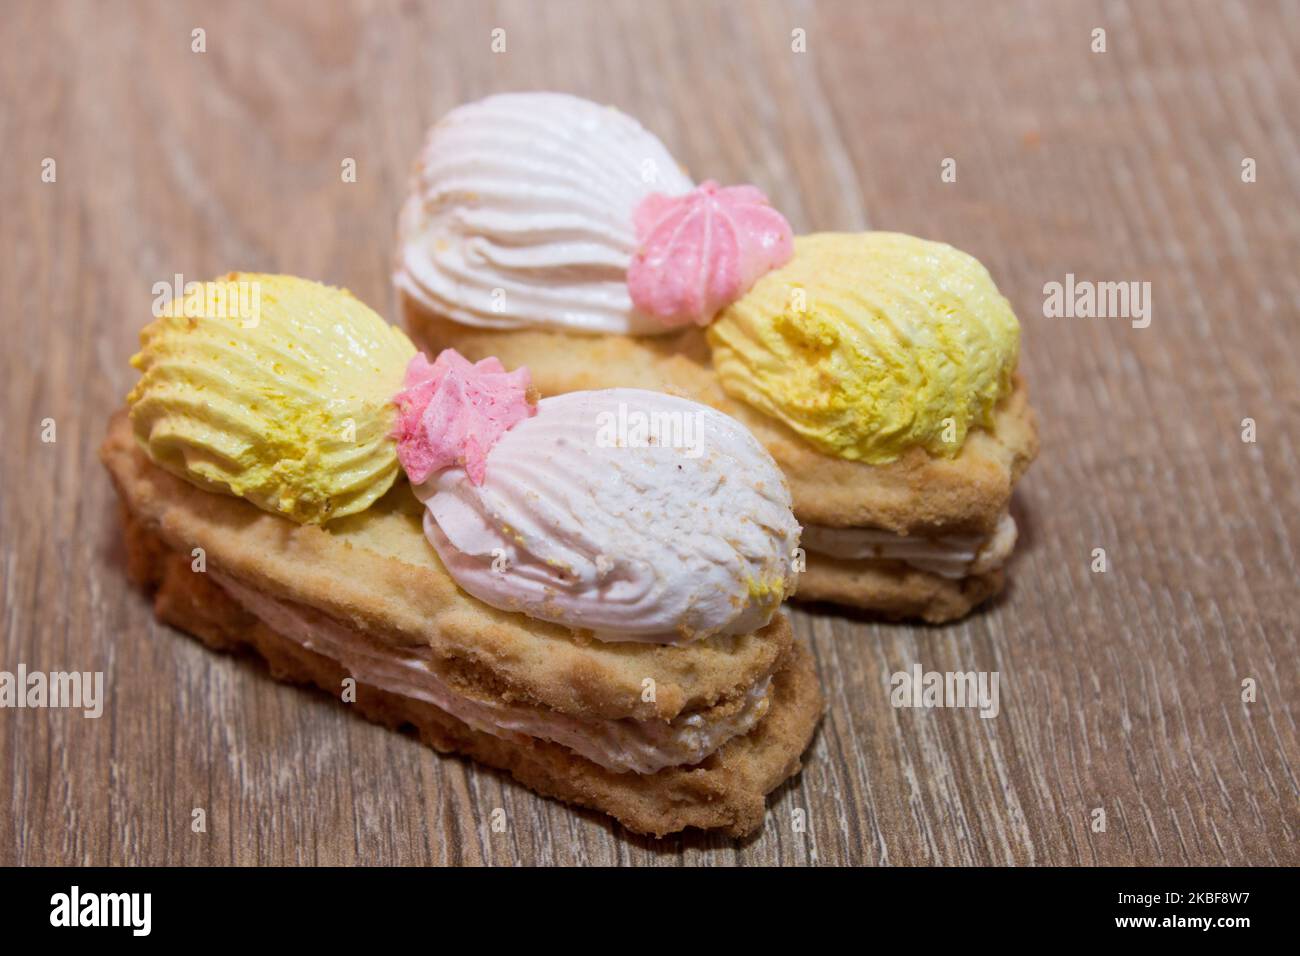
1119, 691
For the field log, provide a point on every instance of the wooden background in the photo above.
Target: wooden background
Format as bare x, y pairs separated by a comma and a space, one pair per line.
1119, 691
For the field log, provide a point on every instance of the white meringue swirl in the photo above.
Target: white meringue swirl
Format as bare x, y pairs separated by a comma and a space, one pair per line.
585, 518
521, 214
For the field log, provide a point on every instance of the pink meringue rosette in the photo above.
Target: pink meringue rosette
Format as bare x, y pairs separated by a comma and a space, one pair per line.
452, 411
703, 250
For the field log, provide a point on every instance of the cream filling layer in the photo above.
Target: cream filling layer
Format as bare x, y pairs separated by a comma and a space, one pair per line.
950, 556
621, 745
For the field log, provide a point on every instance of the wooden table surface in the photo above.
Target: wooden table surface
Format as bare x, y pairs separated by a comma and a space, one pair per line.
1120, 691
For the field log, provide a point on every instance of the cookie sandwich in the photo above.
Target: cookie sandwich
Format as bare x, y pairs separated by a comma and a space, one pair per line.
581, 591
878, 369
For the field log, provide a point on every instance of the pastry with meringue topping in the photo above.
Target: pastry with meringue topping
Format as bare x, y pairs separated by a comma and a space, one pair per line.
581, 590
878, 369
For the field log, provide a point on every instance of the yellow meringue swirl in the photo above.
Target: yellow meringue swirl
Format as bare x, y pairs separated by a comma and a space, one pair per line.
273, 388
869, 344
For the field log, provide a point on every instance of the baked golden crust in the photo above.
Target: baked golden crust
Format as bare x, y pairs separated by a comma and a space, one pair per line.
375, 572
893, 590
917, 494
727, 791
